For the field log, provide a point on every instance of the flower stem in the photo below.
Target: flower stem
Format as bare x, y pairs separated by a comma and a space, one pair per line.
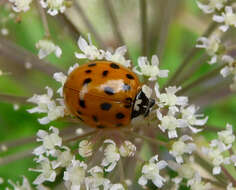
90, 27
190, 73
228, 175
144, 27
121, 169
13, 99
21, 56
81, 136
44, 19
114, 21
20, 155
152, 140
189, 56
166, 21
208, 167
201, 79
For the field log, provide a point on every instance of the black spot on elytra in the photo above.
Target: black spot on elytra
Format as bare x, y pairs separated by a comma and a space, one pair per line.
105, 106
92, 64
79, 118
129, 76
87, 80
114, 66
127, 106
79, 112
119, 125
101, 127
108, 90
128, 102
104, 73
120, 115
82, 103
88, 71
95, 118
126, 87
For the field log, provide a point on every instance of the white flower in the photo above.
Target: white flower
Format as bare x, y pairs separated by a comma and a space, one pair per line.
24, 186
233, 159
75, 175
50, 141
227, 136
214, 153
152, 70
180, 147
112, 155
188, 114
151, 171
46, 105
127, 149
47, 47
118, 56
46, 170
21, 5
230, 187
61, 78
54, 6
211, 45
1, 180
89, 50
63, 158
212, 5
4, 31
184, 171
85, 148
200, 185
169, 98
228, 17
117, 186
170, 123
229, 68
96, 179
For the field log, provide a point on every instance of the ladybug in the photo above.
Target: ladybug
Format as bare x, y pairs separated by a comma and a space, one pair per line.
105, 94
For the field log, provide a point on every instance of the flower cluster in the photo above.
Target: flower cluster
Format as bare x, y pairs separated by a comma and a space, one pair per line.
174, 112
52, 156
54, 6
45, 104
47, 47
215, 152
21, 5
218, 50
91, 52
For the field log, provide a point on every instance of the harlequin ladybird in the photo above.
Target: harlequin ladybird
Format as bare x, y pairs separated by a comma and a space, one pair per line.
104, 94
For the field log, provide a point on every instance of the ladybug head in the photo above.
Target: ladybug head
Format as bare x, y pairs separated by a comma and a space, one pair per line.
142, 104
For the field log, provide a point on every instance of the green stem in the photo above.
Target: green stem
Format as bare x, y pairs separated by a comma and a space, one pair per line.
144, 27
151, 140
114, 21
81, 136
167, 18
201, 79
189, 56
194, 69
44, 19
13, 99
229, 176
90, 27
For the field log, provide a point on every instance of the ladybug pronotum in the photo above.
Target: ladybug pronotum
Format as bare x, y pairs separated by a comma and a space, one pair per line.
104, 94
